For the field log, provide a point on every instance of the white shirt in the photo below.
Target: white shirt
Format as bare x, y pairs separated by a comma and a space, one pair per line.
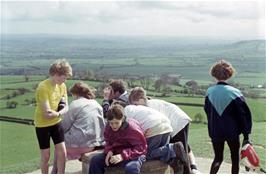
149, 119
178, 118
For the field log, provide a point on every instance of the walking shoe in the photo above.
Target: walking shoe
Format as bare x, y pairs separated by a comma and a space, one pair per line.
195, 171
182, 156
176, 165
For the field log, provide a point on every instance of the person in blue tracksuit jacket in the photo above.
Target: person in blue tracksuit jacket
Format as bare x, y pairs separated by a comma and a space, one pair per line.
228, 116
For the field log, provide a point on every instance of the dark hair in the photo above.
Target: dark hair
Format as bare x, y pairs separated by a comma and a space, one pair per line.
118, 85
222, 70
82, 89
115, 112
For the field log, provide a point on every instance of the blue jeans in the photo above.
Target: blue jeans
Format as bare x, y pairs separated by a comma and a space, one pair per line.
97, 164
159, 148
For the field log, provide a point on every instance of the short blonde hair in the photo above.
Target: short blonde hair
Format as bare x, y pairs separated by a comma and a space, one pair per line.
222, 70
136, 94
60, 67
83, 90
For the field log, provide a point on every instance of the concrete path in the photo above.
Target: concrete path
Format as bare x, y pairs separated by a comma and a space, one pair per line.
75, 166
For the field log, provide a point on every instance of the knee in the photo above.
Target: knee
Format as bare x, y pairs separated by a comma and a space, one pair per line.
61, 150
132, 168
97, 160
218, 158
217, 162
45, 157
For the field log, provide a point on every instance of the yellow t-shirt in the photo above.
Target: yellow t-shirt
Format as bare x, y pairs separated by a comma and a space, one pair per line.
47, 92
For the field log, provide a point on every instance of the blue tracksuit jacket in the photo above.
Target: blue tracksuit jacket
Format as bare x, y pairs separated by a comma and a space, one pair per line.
227, 112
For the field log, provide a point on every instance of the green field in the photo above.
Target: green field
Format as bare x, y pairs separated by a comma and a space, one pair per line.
25, 61
21, 153
24, 156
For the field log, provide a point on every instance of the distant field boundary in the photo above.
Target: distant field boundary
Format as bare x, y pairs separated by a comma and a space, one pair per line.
188, 104
17, 120
31, 122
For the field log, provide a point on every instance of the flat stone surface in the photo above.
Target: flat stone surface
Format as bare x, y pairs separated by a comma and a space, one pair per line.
75, 167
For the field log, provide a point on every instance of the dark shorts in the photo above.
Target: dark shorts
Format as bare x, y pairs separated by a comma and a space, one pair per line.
44, 134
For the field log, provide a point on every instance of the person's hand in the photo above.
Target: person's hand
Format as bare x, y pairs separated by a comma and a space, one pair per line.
116, 159
108, 156
245, 142
107, 93
147, 133
51, 114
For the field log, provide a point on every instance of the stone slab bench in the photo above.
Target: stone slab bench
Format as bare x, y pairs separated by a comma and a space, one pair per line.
149, 167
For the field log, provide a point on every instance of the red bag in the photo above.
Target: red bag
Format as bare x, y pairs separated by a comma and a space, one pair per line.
249, 157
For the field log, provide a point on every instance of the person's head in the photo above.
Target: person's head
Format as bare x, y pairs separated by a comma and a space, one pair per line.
222, 70
81, 89
115, 117
138, 96
118, 87
60, 70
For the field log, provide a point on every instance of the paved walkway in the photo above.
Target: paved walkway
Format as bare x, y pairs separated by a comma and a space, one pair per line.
74, 167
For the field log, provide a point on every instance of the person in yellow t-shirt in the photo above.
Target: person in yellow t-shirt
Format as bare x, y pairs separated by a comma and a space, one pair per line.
47, 118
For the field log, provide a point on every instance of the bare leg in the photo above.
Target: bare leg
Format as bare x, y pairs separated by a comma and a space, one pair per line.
192, 157
54, 170
60, 151
193, 163
45, 156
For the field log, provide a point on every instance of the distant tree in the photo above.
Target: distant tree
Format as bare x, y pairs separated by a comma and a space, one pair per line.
99, 90
7, 97
27, 101
191, 83
145, 82
14, 94
33, 101
166, 90
193, 86
90, 75
132, 82
198, 118
26, 77
157, 85
34, 87
11, 104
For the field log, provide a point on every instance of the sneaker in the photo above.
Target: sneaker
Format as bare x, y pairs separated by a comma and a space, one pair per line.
195, 171
182, 156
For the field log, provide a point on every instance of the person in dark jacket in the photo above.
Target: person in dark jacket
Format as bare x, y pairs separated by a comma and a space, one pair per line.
126, 144
228, 116
115, 91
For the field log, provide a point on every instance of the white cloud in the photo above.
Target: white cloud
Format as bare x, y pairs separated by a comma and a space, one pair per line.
191, 18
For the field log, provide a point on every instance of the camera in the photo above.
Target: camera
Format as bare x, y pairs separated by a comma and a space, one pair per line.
61, 104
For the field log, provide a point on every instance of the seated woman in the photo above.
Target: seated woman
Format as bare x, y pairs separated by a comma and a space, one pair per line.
125, 146
83, 124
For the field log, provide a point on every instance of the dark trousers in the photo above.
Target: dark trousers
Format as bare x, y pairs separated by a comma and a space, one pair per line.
218, 148
182, 136
97, 164
159, 148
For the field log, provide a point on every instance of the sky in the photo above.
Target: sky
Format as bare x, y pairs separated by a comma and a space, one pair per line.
227, 19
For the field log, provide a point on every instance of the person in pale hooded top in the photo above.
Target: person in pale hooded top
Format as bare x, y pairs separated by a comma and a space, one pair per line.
179, 120
83, 124
157, 129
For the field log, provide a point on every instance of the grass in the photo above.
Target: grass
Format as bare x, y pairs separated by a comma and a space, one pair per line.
201, 143
19, 148
21, 153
